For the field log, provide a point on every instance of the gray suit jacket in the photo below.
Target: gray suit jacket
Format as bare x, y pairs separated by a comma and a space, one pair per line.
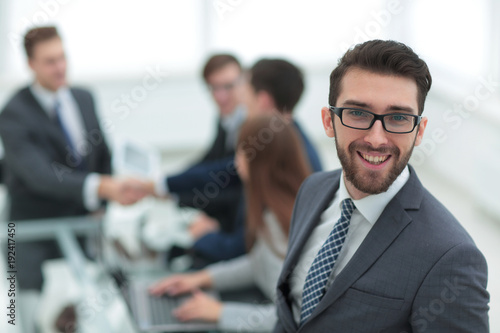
416, 271
42, 182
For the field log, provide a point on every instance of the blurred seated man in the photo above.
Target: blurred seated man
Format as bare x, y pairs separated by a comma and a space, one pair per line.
56, 160
222, 74
271, 86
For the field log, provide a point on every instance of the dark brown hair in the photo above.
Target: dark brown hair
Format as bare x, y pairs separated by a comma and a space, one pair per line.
37, 35
216, 62
277, 166
383, 57
281, 79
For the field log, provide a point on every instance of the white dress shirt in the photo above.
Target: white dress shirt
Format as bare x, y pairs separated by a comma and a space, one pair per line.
231, 124
367, 212
71, 118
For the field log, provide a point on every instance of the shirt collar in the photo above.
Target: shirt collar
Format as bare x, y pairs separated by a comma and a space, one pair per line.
233, 120
372, 206
46, 97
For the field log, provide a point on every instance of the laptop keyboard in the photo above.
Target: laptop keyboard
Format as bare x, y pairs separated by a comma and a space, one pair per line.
161, 309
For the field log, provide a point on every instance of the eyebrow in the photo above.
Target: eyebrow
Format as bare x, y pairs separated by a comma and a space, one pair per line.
392, 107
400, 108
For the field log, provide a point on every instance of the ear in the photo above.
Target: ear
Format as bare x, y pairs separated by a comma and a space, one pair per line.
265, 102
421, 130
326, 118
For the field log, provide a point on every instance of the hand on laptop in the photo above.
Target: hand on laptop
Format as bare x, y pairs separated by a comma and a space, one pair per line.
124, 191
199, 307
181, 283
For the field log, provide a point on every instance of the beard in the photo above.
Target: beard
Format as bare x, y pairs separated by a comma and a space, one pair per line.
371, 181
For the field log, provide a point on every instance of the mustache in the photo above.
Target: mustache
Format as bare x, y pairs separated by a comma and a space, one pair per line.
354, 146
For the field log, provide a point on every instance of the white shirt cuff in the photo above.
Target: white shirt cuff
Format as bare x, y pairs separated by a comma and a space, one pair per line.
161, 187
91, 199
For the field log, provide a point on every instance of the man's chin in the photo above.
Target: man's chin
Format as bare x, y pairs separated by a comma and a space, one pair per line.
371, 182
55, 85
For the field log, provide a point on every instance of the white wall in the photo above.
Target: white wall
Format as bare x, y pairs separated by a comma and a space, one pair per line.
113, 45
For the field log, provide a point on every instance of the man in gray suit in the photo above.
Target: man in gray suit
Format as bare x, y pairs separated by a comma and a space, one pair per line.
56, 160
370, 249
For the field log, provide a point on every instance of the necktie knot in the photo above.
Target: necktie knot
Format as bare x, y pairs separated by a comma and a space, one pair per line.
347, 208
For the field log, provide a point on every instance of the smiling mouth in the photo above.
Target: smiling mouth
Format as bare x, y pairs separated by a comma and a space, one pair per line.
375, 160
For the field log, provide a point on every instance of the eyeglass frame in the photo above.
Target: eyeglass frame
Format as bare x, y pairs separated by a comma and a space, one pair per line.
338, 112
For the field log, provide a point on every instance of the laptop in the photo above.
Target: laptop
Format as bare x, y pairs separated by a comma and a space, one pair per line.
154, 314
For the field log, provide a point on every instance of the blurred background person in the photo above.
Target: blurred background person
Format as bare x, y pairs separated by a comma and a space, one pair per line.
56, 159
271, 87
272, 173
276, 85
223, 75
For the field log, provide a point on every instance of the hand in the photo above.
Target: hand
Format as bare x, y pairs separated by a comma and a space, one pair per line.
200, 306
181, 283
149, 187
124, 191
202, 225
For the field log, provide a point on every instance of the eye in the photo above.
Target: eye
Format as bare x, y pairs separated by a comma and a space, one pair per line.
357, 113
399, 118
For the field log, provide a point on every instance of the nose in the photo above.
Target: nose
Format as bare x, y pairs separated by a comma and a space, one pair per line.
376, 136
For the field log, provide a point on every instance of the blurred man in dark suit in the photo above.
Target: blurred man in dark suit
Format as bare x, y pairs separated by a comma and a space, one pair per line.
222, 74
56, 159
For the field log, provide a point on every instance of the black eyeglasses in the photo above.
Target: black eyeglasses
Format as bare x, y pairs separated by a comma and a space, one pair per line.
399, 123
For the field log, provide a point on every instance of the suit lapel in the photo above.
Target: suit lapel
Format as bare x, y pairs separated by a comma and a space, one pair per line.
51, 129
386, 229
309, 219
319, 201
86, 122
80, 104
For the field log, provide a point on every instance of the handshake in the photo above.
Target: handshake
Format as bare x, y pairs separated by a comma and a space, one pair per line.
125, 191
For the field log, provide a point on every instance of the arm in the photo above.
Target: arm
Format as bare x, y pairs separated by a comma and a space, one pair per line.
41, 173
453, 296
225, 245
231, 275
222, 246
44, 175
222, 173
245, 317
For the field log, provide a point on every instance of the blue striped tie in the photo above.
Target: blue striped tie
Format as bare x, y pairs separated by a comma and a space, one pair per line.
78, 160
322, 266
